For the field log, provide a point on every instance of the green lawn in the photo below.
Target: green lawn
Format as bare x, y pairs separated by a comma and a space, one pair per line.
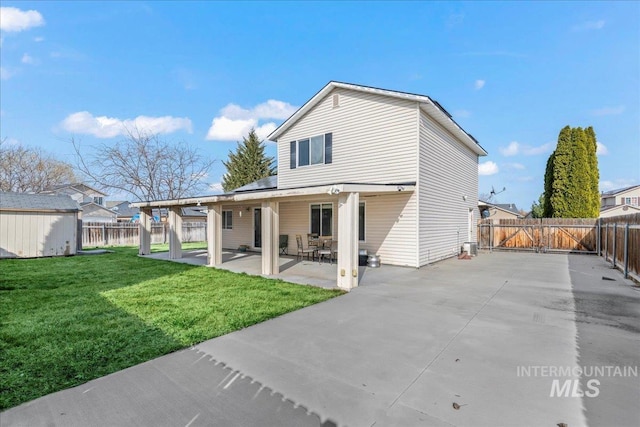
65, 321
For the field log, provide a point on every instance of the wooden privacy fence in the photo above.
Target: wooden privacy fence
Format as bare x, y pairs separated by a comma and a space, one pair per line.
539, 235
128, 234
620, 243
617, 239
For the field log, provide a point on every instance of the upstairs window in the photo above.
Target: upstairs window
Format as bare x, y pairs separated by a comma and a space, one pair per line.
98, 200
311, 151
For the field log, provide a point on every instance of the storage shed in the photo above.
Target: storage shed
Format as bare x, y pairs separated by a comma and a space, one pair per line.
37, 225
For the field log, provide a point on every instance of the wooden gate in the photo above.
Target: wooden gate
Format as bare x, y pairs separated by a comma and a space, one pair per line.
539, 235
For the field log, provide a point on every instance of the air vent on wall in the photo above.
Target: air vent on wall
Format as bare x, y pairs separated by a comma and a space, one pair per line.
336, 100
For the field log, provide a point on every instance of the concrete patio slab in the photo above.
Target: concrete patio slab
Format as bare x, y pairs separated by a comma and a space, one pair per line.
398, 350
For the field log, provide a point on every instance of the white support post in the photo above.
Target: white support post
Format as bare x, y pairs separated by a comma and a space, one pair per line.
214, 235
145, 231
270, 238
175, 232
348, 240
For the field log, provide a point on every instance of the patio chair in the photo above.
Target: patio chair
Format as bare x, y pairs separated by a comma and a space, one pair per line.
284, 244
313, 240
301, 250
325, 251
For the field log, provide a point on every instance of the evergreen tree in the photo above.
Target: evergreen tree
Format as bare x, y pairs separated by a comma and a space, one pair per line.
592, 148
560, 184
537, 208
548, 187
571, 176
248, 164
578, 195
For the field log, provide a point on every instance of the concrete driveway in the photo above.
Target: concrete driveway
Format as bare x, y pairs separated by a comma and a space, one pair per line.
492, 335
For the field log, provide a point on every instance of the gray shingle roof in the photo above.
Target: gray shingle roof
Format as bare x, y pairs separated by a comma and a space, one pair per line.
37, 202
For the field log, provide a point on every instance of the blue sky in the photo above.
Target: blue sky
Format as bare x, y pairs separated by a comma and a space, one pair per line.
511, 73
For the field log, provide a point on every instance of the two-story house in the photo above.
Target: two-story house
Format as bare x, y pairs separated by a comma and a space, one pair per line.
375, 169
90, 200
623, 201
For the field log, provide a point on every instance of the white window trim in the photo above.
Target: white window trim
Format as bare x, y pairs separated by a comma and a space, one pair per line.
324, 142
224, 212
333, 217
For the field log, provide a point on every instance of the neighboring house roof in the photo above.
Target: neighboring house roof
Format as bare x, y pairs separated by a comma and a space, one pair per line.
193, 212
618, 191
113, 203
625, 208
92, 207
267, 183
507, 207
430, 106
78, 186
124, 210
37, 202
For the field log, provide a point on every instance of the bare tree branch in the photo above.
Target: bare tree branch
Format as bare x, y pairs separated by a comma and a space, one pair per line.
24, 169
145, 166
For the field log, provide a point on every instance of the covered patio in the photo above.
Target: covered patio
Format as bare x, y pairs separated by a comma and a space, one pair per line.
292, 269
344, 273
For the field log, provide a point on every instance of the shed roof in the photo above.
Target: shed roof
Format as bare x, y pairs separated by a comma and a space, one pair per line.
37, 202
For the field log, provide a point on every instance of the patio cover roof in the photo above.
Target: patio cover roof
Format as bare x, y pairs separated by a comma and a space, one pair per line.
329, 189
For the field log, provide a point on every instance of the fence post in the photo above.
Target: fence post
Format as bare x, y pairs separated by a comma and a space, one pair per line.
491, 236
615, 235
626, 251
598, 237
104, 234
606, 242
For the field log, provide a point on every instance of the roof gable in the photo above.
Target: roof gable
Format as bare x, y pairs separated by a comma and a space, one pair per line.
429, 106
77, 186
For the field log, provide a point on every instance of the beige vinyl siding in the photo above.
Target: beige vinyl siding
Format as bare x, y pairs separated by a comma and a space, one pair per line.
448, 171
37, 234
390, 224
294, 219
390, 228
373, 141
242, 231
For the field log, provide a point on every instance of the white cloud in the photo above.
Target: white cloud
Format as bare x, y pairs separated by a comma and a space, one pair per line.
589, 25
617, 183
38, 39
487, 168
608, 111
27, 59
601, 149
479, 84
5, 74
235, 122
216, 187
13, 19
529, 150
515, 148
462, 113
510, 150
108, 127
516, 166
